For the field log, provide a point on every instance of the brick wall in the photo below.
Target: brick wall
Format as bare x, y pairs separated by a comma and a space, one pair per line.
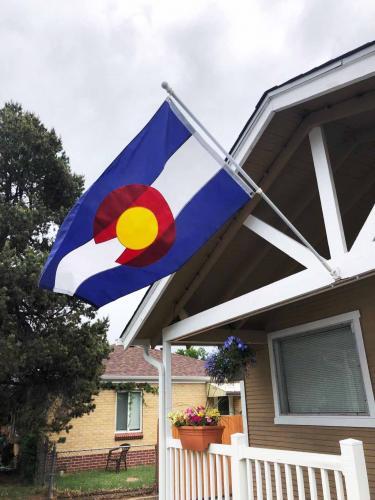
97, 429
74, 462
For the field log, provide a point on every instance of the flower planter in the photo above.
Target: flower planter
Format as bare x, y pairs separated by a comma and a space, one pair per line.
198, 438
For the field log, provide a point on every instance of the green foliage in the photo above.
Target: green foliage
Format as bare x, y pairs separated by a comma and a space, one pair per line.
77, 483
129, 386
100, 481
193, 352
29, 446
14, 490
52, 346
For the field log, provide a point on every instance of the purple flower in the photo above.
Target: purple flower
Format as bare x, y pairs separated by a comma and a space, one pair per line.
228, 343
228, 362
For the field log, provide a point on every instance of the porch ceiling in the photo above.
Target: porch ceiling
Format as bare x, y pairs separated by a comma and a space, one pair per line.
244, 261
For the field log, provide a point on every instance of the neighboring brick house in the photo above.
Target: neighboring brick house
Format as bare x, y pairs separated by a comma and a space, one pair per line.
121, 416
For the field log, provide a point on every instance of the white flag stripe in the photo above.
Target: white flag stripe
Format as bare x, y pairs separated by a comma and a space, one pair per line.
184, 174
85, 261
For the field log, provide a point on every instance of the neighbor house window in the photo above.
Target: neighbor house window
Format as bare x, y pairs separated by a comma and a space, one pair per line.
128, 411
320, 374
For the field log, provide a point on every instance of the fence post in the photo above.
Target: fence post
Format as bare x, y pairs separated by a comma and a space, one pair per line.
238, 467
52, 472
357, 487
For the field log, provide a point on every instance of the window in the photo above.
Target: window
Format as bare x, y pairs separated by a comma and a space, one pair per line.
320, 374
223, 405
128, 412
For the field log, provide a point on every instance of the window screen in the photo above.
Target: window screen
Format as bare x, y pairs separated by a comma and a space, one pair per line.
134, 411
128, 413
319, 373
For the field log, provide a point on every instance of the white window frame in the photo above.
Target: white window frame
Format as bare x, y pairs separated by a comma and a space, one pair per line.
352, 318
140, 416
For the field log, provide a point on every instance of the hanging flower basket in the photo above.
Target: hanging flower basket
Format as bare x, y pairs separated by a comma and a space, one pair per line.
197, 427
228, 363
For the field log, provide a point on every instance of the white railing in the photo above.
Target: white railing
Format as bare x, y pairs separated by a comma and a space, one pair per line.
240, 472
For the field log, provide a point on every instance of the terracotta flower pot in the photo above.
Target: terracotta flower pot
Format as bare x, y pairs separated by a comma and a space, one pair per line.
198, 438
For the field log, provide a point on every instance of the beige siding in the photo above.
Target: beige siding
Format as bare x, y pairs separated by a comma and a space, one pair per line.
262, 430
97, 430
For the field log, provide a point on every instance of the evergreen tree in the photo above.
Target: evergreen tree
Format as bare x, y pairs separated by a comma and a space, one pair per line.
51, 346
193, 352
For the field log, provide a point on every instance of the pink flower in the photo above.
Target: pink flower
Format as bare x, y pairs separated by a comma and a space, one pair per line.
195, 419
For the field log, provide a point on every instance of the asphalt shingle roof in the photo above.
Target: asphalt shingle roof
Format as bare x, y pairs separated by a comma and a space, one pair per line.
130, 362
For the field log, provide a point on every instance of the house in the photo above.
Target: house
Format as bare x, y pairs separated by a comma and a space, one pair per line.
225, 397
310, 146
126, 412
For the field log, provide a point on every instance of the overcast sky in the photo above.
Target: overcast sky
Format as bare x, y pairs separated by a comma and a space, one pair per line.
92, 69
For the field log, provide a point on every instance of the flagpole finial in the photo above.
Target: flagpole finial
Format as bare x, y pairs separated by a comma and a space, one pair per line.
167, 88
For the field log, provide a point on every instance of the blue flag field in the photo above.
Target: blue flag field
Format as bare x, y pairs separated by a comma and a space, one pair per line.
157, 203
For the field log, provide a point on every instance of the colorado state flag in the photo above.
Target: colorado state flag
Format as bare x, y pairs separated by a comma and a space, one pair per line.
157, 203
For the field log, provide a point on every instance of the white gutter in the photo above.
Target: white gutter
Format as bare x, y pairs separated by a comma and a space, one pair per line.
162, 417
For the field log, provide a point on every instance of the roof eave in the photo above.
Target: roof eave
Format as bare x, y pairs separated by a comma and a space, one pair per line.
351, 67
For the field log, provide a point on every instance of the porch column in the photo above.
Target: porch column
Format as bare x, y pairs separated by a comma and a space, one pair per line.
245, 428
166, 401
162, 416
168, 395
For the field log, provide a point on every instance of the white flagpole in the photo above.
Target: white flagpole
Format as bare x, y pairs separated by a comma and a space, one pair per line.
258, 190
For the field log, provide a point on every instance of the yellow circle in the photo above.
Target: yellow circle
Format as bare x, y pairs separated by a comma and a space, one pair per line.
137, 228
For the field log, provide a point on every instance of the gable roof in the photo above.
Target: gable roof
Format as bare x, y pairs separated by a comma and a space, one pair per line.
273, 142
129, 364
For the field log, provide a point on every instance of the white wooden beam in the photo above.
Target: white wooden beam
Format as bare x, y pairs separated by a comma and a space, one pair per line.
221, 334
366, 235
270, 296
283, 242
327, 193
343, 109
348, 147
353, 265
343, 73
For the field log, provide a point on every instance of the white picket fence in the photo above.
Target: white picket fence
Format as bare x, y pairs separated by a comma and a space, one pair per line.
240, 472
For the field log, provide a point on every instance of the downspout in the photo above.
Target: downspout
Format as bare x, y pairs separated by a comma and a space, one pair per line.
162, 438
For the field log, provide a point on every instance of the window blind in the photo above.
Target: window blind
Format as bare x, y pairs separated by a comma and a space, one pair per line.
134, 411
319, 373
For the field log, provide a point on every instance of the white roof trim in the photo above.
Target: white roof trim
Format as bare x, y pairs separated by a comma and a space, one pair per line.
144, 310
339, 74
154, 378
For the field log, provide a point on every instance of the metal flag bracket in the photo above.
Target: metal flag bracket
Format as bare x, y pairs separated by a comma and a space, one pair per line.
238, 170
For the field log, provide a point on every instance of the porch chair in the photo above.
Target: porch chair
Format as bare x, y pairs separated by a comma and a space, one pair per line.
116, 458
